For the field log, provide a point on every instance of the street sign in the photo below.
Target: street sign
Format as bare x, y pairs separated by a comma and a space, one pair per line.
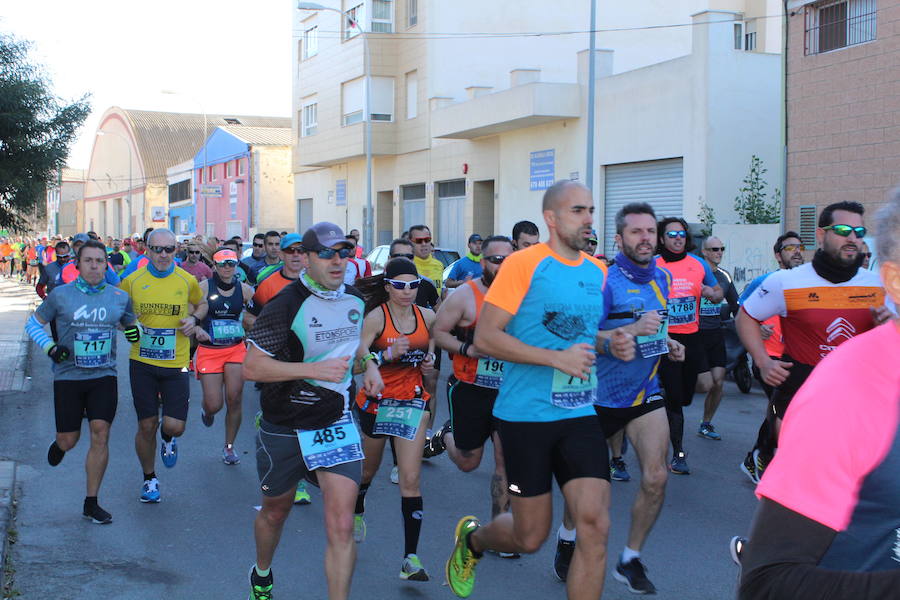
543, 169
211, 191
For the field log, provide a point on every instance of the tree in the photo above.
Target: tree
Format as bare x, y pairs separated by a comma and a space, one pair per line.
36, 131
751, 204
707, 219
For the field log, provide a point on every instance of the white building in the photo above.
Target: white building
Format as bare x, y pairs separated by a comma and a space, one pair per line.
474, 113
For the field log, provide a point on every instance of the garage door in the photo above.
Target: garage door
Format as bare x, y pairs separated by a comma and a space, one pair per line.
657, 182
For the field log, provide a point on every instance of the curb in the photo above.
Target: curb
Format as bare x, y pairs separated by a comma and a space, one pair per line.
7, 498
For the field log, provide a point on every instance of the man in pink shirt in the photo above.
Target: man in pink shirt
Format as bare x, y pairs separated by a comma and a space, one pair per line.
194, 265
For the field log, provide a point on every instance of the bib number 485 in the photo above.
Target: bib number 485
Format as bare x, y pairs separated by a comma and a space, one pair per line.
329, 435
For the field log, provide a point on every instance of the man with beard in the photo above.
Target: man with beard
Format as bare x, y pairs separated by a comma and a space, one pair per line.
822, 304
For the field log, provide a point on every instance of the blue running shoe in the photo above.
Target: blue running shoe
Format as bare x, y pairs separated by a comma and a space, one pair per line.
679, 464
168, 452
708, 431
617, 469
150, 491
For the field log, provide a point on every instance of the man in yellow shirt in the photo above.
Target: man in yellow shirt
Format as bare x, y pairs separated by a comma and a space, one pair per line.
169, 304
426, 264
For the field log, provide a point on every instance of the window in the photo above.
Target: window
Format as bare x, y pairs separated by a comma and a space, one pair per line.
382, 99
382, 16
834, 25
240, 163
353, 100
738, 36
412, 94
355, 15
413, 12
310, 118
750, 36
180, 191
311, 42
211, 173
229, 169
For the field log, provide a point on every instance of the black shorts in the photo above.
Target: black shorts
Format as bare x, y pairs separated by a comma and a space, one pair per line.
612, 420
784, 393
536, 452
77, 399
713, 343
152, 386
471, 414
279, 462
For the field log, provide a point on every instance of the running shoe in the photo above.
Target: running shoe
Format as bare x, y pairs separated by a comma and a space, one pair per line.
679, 464
96, 514
617, 470
260, 587
460, 567
412, 569
55, 454
229, 457
748, 467
395, 474
435, 444
208, 420
150, 491
301, 496
563, 558
736, 547
760, 464
708, 431
168, 452
359, 528
634, 575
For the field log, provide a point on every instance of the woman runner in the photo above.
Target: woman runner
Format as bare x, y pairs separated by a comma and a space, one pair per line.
396, 333
220, 355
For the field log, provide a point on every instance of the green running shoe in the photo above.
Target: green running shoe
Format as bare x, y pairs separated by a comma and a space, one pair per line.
412, 569
460, 567
260, 587
359, 528
301, 496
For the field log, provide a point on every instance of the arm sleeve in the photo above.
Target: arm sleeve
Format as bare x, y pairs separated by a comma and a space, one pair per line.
780, 562
768, 299
732, 298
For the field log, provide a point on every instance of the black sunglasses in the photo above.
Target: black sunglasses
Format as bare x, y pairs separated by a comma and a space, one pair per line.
193, 252
495, 259
328, 253
255, 245
409, 256
161, 249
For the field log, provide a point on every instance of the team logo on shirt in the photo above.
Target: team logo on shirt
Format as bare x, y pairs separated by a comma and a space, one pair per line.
840, 327
95, 314
353, 316
565, 325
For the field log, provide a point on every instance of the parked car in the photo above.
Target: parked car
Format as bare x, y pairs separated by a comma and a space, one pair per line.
378, 257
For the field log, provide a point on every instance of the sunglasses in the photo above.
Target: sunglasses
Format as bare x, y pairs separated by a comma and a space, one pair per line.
193, 252
409, 256
161, 249
846, 230
227, 263
258, 245
867, 254
716, 248
676, 234
402, 285
592, 242
421, 240
293, 250
495, 259
328, 253
793, 247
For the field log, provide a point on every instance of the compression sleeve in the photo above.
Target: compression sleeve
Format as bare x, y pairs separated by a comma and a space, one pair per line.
36, 332
781, 561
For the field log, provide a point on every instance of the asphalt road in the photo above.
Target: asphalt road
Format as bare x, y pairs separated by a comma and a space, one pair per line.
198, 542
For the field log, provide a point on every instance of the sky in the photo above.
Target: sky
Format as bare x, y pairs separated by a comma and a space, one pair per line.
219, 56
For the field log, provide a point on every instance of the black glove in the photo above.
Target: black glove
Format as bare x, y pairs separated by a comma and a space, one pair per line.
58, 353
133, 334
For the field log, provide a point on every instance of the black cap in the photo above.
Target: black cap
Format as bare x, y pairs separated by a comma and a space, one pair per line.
324, 235
474, 238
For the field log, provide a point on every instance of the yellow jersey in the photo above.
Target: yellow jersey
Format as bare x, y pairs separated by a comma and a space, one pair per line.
431, 268
160, 304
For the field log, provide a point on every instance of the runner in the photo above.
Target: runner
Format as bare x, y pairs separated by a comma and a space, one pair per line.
396, 334
692, 280
476, 377
832, 532
628, 396
788, 254
306, 396
235, 246
169, 304
712, 337
357, 267
51, 274
273, 257
426, 264
87, 312
821, 304
545, 419
222, 350
469, 267
194, 265
70, 272
524, 235
257, 256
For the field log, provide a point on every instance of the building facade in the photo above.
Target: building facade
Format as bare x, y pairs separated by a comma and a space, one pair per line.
843, 107
180, 179
468, 129
64, 196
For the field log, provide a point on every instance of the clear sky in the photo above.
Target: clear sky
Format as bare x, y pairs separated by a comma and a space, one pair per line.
221, 56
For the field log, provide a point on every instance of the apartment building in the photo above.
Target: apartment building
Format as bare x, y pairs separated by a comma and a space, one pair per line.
843, 106
65, 198
476, 109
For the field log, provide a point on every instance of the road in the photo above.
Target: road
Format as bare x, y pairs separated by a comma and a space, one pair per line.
198, 542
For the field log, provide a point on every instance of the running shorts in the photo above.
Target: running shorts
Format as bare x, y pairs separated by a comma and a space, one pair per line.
613, 420
713, 343
152, 385
471, 414
212, 359
77, 399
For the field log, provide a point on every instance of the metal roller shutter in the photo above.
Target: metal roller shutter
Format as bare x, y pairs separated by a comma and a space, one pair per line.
658, 182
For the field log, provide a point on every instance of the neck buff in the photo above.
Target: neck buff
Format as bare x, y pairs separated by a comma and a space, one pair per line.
90, 290
318, 289
831, 270
473, 257
221, 284
634, 271
671, 256
160, 274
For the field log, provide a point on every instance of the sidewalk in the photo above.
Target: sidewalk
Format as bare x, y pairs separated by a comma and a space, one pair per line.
17, 301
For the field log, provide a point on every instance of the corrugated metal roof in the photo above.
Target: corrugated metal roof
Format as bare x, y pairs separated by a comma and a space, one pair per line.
261, 136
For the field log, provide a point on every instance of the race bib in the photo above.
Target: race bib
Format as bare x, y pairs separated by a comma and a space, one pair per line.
682, 311
570, 392
654, 345
399, 418
93, 349
157, 344
336, 444
708, 309
226, 332
489, 373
